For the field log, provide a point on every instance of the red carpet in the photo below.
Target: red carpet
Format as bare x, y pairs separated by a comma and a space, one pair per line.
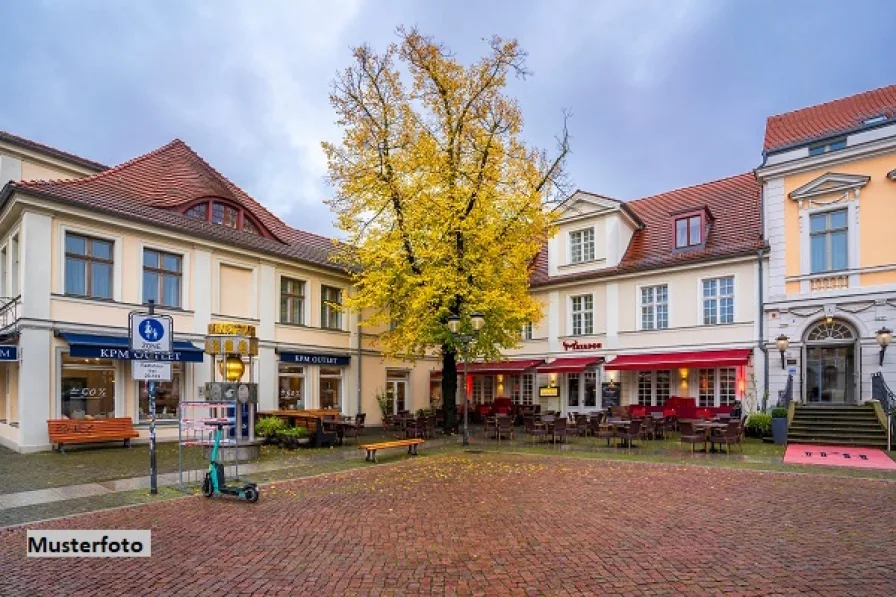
839, 456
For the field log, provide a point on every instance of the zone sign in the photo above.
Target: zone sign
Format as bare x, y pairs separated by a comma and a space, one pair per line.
150, 333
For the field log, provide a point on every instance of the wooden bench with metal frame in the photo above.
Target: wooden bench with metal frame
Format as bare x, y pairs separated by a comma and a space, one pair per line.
90, 431
400, 443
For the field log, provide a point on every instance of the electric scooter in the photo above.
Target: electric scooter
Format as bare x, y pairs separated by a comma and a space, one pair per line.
215, 483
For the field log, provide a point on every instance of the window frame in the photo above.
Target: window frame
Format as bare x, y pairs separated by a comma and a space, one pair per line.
653, 306
528, 331
161, 273
827, 234
687, 217
581, 244
717, 386
717, 298
88, 260
242, 215
582, 313
828, 146
650, 381
290, 297
325, 308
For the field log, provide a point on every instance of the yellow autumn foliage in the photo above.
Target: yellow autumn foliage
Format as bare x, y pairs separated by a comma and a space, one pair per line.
442, 203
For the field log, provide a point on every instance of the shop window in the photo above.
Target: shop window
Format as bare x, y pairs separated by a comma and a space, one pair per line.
645, 387
718, 300
330, 388
162, 273
590, 389
168, 396
292, 387
292, 301
88, 388
88, 266
654, 387
330, 314
718, 387
572, 390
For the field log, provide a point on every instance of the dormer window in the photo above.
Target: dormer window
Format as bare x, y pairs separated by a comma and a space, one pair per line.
581, 245
225, 214
689, 231
827, 146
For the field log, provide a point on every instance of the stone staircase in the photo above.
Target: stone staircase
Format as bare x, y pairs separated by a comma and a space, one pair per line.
842, 425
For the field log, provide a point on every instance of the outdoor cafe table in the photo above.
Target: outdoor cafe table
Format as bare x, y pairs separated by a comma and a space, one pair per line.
707, 427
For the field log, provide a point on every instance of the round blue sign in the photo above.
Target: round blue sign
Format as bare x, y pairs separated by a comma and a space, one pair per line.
151, 330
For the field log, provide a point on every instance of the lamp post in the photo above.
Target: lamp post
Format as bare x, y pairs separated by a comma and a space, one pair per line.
783, 343
884, 337
477, 320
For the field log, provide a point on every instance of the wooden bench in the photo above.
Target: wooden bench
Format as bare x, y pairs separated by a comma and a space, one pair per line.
89, 431
400, 443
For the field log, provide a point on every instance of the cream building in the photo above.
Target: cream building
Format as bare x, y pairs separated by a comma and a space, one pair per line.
82, 245
644, 301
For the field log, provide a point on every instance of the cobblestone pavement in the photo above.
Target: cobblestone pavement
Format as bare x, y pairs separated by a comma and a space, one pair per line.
497, 524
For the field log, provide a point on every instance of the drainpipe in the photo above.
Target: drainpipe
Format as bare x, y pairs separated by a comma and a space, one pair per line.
359, 411
761, 315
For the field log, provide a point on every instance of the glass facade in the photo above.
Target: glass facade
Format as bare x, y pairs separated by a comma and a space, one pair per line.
330, 388
291, 381
168, 396
88, 388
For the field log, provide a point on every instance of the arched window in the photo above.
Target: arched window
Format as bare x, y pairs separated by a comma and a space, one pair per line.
830, 331
226, 214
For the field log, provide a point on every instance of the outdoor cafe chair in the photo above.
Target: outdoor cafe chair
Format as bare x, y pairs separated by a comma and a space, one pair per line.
582, 427
633, 432
648, 430
504, 428
560, 429
603, 430
535, 429
728, 436
692, 436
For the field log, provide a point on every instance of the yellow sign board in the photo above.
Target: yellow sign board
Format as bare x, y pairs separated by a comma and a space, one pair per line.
548, 392
231, 329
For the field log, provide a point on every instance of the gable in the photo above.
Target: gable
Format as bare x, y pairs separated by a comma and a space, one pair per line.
829, 183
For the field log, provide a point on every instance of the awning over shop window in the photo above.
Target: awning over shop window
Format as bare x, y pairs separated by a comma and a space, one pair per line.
673, 360
569, 364
496, 368
117, 347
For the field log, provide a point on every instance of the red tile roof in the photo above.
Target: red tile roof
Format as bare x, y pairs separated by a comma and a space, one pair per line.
838, 116
735, 229
153, 187
57, 153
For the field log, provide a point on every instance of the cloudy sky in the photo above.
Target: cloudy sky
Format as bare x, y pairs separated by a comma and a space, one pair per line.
663, 94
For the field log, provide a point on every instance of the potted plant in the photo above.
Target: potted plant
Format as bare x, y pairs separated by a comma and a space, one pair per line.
385, 403
779, 425
292, 437
759, 424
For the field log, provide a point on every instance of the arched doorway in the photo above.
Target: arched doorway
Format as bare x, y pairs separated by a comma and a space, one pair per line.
830, 357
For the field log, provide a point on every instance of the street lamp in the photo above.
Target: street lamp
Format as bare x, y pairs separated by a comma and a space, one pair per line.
783, 343
884, 337
477, 320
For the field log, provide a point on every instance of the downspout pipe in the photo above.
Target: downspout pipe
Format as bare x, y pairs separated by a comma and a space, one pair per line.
359, 411
761, 314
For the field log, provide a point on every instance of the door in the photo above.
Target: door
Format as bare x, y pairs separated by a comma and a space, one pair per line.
581, 392
830, 374
396, 391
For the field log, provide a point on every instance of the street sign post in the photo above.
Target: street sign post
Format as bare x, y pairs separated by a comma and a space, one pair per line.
151, 333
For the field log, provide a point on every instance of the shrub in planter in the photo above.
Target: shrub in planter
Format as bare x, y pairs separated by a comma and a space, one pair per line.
269, 427
779, 412
759, 424
290, 437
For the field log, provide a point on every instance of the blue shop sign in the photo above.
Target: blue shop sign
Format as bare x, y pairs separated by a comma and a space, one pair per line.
116, 347
9, 353
310, 358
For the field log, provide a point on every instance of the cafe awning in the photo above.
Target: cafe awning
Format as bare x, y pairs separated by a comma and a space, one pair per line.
569, 364
495, 368
675, 360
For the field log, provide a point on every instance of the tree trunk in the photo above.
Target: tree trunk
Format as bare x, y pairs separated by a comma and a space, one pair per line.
449, 388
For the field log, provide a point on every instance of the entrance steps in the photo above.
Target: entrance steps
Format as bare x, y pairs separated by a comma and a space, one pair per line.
842, 425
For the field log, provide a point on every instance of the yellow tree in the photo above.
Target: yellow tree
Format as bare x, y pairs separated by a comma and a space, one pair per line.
443, 205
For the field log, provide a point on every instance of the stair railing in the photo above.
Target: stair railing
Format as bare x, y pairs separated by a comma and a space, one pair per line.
785, 396
881, 392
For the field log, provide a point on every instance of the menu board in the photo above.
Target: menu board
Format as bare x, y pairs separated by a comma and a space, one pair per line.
610, 394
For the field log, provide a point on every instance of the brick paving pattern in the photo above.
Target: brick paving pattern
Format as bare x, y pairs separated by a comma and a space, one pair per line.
497, 524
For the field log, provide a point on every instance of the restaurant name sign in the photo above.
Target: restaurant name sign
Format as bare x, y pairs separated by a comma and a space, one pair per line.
548, 392
575, 345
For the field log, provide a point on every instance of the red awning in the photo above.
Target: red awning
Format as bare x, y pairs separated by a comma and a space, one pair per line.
499, 367
672, 360
569, 364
